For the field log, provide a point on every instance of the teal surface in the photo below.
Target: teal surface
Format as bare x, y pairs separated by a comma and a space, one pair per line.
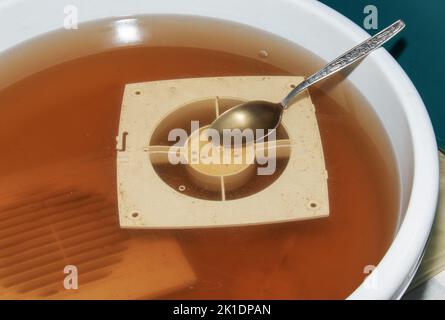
420, 50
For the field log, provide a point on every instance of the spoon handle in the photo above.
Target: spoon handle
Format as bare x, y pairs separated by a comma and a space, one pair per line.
346, 59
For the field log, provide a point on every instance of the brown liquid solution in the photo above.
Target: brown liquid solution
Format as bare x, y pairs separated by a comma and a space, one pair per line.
57, 131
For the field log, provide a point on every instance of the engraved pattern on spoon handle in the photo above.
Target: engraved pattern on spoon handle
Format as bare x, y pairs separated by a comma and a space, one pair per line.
346, 59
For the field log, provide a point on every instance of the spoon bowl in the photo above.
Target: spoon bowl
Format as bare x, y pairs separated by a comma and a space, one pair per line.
262, 117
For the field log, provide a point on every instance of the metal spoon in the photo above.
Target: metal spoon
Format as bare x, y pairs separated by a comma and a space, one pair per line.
267, 115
